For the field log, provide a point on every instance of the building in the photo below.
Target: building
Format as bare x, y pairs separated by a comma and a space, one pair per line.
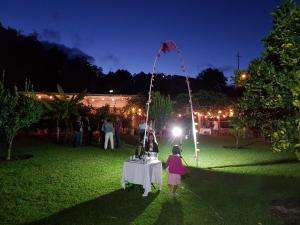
94, 100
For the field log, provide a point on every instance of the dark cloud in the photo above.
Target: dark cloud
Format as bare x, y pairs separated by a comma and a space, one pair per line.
111, 58
70, 52
77, 40
226, 68
111, 62
51, 35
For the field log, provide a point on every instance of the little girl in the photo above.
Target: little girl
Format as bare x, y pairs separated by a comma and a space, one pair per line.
175, 169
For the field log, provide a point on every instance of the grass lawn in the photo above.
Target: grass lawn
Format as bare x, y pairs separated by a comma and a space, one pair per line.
61, 185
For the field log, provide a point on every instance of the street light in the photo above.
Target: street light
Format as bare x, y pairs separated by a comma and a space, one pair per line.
244, 76
176, 131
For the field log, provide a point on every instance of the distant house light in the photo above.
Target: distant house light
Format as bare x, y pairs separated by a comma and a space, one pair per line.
111, 91
244, 76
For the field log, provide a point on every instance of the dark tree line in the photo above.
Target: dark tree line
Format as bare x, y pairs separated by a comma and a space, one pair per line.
47, 65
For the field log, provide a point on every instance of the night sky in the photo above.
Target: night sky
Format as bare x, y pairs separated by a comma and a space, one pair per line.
127, 34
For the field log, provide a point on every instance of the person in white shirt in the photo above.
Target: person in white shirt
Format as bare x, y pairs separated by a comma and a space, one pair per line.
108, 128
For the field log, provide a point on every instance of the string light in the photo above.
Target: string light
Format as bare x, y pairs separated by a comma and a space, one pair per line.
216, 114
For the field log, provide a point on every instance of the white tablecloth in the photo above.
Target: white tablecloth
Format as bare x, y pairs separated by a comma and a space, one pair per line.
206, 131
136, 172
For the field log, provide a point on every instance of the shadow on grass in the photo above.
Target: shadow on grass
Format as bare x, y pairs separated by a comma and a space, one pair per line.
241, 146
263, 163
235, 199
171, 213
118, 207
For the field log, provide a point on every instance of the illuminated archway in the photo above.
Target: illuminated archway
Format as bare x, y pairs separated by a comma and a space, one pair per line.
167, 47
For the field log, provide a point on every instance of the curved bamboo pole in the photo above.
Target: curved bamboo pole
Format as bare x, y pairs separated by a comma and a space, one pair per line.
167, 46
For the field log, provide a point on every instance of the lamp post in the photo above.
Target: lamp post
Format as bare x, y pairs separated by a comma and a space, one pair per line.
243, 76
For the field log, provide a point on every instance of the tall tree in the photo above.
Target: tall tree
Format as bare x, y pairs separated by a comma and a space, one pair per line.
160, 109
62, 108
212, 79
45, 64
271, 98
203, 100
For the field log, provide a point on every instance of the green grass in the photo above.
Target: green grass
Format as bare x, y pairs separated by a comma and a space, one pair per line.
62, 185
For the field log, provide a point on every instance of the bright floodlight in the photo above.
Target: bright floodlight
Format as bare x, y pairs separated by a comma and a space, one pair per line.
177, 131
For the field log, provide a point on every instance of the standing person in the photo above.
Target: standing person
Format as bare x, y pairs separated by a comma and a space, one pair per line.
77, 139
151, 144
118, 131
175, 169
108, 128
142, 128
87, 131
101, 132
215, 127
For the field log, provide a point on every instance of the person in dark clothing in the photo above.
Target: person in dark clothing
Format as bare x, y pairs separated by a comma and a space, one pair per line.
78, 130
87, 131
151, 144
102, 133
118, 132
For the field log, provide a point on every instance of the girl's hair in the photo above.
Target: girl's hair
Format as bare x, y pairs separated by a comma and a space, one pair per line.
176, 150
153, 135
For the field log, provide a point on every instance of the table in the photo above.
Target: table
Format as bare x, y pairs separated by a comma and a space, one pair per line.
138, 172
206, 131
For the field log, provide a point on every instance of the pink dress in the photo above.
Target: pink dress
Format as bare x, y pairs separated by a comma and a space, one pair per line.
176, 169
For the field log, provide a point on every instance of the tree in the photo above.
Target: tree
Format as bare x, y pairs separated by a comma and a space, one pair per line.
160, 109
25, 56
238, 126
137, 101
101, 114
271, 97
213, 80
121, 82
18, 110
202, 99
63, 108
